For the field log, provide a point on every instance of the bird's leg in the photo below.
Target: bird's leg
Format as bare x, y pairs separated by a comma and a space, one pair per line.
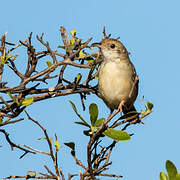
111, 115
121, 106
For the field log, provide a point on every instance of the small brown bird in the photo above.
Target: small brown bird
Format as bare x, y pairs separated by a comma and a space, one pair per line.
118, 81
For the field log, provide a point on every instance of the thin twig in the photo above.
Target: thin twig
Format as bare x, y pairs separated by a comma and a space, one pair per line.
36, 150
13, 145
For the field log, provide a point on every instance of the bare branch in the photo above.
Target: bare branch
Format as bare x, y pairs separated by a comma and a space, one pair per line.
13, 145
39, 151
53, 157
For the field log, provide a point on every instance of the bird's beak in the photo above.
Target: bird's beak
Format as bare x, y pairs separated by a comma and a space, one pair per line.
96, 45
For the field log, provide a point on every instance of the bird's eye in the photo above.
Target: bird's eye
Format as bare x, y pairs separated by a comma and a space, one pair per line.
112, 46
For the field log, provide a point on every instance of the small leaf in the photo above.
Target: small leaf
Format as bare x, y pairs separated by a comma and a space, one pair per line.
73, 33
90, 60
27, 101
171, 169
78, 78
82, 123
117, 135
92, 130
62, 47
73, 106
56, 143
81, 54
2, 60
163, 176
143, 112
149, 105
75, 110
50, 139
72, 41
17, 102
8, 56
93, 111
70, 145
10, 95
49, 63
14, 100
99, 122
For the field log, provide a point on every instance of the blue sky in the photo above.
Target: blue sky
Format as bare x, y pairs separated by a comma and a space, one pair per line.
150, 31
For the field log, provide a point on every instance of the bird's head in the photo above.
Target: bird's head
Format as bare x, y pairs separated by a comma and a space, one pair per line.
112, 49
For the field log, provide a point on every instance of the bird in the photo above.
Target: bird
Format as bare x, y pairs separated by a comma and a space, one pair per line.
118, 80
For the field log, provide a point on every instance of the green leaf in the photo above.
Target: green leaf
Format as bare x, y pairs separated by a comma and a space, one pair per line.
3, 61
143, 112
99, 122
163, 176
149, 105
8, 56
14, 100
82, 123
75, 110
81, 54
117, 135
93, 111
171, 169
90, 60
72, 41
49, 63
27, 101
56, 143
73, 33
10, 95
70, 145
92, 130
17, 102
78, 78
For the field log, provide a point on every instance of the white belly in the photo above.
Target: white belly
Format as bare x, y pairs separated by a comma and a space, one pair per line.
115, 83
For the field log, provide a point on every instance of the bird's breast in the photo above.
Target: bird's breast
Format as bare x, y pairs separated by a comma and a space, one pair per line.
115, 82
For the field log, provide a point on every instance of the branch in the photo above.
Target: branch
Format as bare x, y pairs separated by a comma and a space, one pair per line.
13, 145
53, 157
